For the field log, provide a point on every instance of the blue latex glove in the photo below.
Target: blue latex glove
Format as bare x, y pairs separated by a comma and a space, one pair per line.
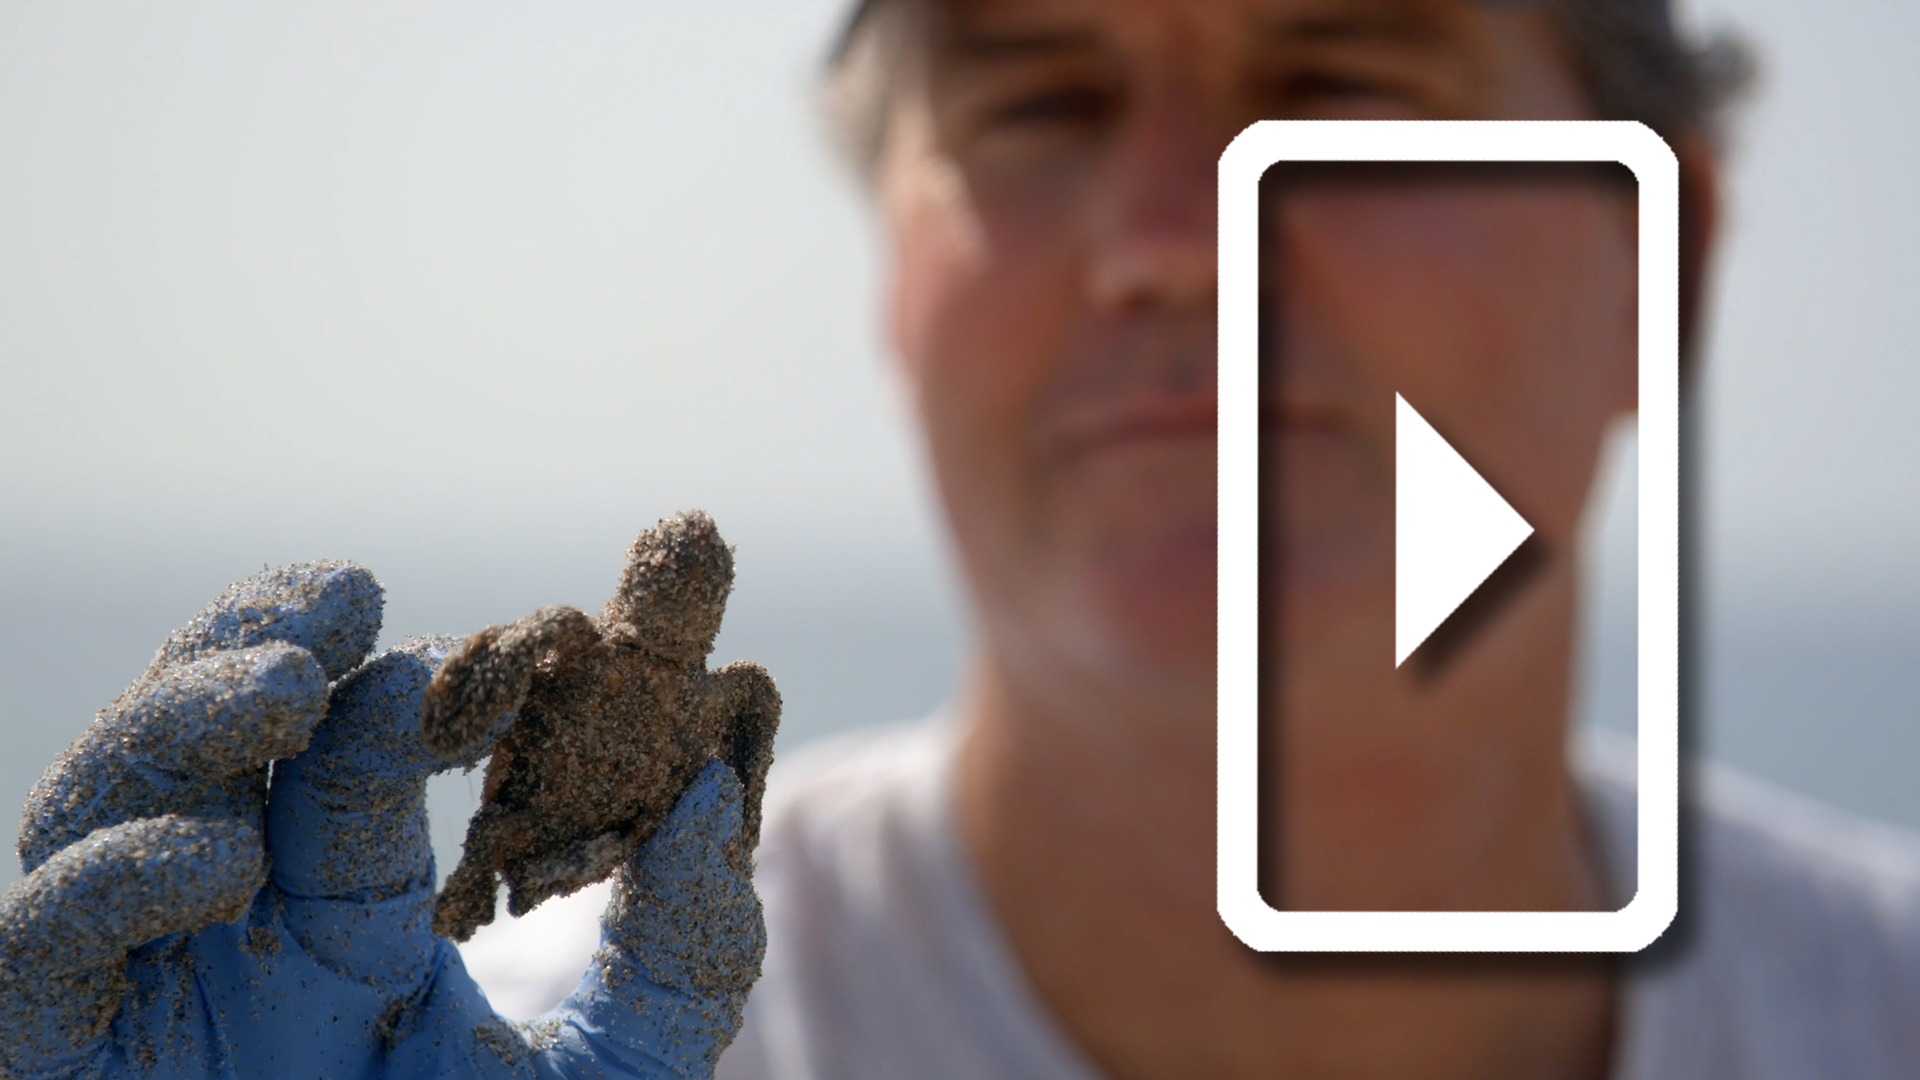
180, 918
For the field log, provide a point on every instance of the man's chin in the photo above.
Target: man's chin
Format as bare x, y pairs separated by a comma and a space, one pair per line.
1154, 610
1135, 521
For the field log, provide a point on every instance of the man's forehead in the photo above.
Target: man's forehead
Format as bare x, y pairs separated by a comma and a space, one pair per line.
1443, 45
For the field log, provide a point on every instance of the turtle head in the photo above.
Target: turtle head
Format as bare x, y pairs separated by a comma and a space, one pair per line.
674, 588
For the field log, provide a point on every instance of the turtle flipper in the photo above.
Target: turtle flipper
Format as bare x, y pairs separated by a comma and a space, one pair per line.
487, 679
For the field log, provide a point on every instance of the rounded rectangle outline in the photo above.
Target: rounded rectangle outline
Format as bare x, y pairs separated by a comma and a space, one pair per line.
1656, 901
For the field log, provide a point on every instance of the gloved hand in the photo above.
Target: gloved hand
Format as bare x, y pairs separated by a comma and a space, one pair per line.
181, 917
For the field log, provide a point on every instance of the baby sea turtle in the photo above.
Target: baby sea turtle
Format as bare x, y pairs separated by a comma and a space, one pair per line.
616, 715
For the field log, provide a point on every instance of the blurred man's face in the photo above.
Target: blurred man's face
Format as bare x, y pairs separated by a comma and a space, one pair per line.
1051, 201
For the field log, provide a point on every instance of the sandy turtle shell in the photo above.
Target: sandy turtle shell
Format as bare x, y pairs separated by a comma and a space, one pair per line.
612, 718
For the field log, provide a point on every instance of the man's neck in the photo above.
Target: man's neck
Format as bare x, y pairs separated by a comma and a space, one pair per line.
1092, 831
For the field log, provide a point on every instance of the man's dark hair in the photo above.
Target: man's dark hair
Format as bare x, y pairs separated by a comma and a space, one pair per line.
1635, 63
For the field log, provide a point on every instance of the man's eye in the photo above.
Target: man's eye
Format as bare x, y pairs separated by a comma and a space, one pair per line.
1071, 105
1320, 86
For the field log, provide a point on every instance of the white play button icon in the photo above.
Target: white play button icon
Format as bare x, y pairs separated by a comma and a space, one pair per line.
1450, 530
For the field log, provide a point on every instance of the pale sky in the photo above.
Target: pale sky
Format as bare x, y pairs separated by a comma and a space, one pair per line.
1813, 450
432, 267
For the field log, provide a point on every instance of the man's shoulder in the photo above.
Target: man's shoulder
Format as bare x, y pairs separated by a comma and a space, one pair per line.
1750, 843
1815, 903
833, 790
1796, 950
856, 838
1760, 838
881, 958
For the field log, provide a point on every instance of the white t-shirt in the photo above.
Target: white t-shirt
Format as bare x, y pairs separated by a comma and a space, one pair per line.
1797, 954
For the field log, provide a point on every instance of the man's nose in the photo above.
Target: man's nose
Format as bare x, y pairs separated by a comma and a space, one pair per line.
1154, 215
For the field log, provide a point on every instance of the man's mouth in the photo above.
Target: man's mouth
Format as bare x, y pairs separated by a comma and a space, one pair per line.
1097, 430
1094, 430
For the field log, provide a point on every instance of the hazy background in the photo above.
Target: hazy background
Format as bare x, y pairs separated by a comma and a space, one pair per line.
473, 292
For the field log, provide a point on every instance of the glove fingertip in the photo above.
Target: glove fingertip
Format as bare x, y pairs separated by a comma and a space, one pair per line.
374, 710
330, 607
226, 712
700, 834
132, 883
393, 680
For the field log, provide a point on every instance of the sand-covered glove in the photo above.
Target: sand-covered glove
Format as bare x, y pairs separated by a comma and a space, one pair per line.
183, 915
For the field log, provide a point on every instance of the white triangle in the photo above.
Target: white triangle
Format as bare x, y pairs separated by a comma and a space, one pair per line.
1450, 530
